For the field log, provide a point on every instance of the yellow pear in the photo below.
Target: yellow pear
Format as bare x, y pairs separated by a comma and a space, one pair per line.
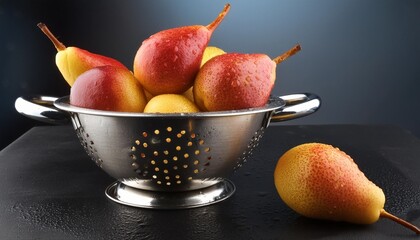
189, 94
170, 103
73, 61
321, 181
210, 52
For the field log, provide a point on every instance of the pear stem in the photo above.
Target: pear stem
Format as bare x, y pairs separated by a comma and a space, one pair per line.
287, 54
385, 214
57, 44
219, 18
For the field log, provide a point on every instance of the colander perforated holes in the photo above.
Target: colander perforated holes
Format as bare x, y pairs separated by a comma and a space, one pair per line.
254, 142
135, 165
99, 162
89, 146
174, 156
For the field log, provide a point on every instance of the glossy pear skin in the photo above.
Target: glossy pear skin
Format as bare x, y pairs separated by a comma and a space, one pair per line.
234, 81
73, 61
321, 181
108, 88
170, 103
168, 61
211, 52
165, 64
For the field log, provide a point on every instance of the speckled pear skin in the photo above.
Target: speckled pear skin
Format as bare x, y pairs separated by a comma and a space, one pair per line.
168, 61
234, 81
321, 181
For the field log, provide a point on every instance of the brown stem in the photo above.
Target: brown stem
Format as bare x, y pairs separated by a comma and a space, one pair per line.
219, 18
58, 45
385, 214
287, 54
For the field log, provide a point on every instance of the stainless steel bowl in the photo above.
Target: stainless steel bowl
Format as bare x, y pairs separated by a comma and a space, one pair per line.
169, 161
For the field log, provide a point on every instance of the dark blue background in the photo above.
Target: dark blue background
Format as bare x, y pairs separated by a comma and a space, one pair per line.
362, 57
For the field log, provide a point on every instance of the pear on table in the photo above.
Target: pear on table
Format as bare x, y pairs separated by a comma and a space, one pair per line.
320, 181
73, 61
108, 88
168, 61
233, 81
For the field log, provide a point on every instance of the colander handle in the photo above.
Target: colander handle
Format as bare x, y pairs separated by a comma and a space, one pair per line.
41, 108
297, 105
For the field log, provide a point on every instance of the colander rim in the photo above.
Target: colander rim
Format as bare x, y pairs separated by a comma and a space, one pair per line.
274, 103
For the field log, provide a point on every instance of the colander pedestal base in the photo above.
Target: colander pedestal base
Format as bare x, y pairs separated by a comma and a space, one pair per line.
135, 197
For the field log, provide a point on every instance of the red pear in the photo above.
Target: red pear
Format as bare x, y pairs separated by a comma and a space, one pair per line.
234, 81
168, 61
108, 88
73, 61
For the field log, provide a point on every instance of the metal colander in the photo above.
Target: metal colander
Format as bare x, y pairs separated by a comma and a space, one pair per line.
169, 161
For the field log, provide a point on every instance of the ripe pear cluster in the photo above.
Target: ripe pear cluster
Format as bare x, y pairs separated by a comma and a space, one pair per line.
176, 61
320, 181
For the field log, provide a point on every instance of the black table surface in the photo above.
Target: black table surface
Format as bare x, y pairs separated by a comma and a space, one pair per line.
50, 189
